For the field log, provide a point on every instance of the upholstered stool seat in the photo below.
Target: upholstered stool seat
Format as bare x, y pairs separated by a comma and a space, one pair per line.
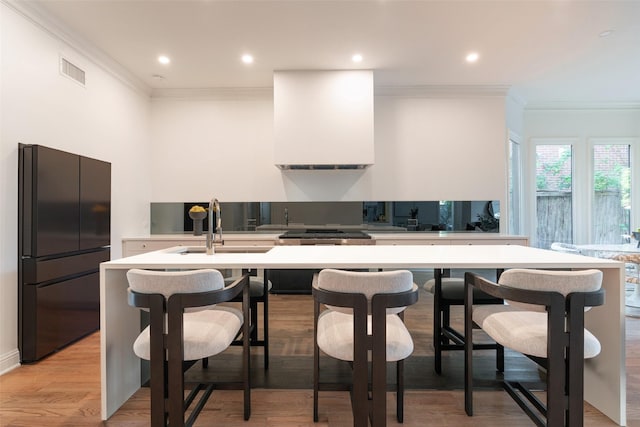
200, 339
524, 331
335, 336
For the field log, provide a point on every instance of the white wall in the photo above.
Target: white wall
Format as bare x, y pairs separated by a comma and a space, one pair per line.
439, 148
214, 146
426, 148
107, 120
192, 148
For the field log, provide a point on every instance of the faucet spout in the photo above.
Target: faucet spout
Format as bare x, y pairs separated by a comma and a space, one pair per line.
214, 208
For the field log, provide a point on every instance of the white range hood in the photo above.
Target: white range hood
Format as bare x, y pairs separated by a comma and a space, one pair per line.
323, 119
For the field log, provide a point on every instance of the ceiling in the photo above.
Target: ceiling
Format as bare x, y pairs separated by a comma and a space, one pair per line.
546, 51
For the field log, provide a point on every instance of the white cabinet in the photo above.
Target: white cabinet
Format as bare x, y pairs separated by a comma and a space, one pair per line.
409, 242
450, 239
136, 246
506, 240
132, 247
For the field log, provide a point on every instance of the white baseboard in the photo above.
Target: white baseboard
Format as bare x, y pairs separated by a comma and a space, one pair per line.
9, 361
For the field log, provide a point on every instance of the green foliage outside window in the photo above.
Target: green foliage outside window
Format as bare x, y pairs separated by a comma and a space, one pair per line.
559, 169
617, 179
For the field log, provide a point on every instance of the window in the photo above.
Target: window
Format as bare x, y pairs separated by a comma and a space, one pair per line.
611, 197
585, 190
515, 187
554, 194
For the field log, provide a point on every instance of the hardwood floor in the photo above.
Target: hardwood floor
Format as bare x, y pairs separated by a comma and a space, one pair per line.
64, 389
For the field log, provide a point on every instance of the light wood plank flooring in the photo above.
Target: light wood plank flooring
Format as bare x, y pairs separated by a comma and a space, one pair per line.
64, 389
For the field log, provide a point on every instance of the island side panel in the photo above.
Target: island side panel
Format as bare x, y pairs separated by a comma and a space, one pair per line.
119, 327
605, 385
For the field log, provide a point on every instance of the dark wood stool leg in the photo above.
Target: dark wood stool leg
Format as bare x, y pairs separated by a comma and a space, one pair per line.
265, 319
437, 321
400, 391
316, 361
468, 353
253, 312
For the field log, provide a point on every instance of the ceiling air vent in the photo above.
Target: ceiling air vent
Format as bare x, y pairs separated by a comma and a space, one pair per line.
321, 167
72, 71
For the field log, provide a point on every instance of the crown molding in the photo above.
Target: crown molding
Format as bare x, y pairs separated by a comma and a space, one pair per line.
442, 91
515, 97
514, 136
58, 30
220, 93
246, 93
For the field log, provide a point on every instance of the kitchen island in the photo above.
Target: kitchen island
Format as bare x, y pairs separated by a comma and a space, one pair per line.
605, 375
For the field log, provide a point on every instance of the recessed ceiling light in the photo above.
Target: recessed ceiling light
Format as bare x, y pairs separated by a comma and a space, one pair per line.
357, 58
472, 57
247, 59
606, 33
163, 59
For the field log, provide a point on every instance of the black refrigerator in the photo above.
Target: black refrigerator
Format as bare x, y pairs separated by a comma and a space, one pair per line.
64, 215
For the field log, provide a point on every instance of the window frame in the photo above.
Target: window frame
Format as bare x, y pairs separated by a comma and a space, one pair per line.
576, 183
515, 198
634, 157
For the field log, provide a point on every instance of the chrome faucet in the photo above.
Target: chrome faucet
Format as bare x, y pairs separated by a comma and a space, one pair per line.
214, 206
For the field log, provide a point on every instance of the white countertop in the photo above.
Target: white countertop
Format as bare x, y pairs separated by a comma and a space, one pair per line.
452, 235
353, 256
380, 235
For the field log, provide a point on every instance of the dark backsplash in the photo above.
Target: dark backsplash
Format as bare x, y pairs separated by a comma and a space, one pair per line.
172, 218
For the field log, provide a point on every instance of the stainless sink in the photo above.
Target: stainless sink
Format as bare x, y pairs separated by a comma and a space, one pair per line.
187, 250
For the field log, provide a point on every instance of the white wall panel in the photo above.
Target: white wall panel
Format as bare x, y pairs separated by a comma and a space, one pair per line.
425, 149
106, 120
440, 149
204, 148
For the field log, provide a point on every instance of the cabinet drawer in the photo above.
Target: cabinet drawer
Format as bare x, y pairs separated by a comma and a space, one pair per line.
253, 242
490, 242
410, 242
136, 247
144, 245
59, 314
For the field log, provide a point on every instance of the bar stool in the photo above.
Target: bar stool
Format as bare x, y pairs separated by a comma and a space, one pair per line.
363, 316
544, 321
259, 293
449, 291
186, 326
